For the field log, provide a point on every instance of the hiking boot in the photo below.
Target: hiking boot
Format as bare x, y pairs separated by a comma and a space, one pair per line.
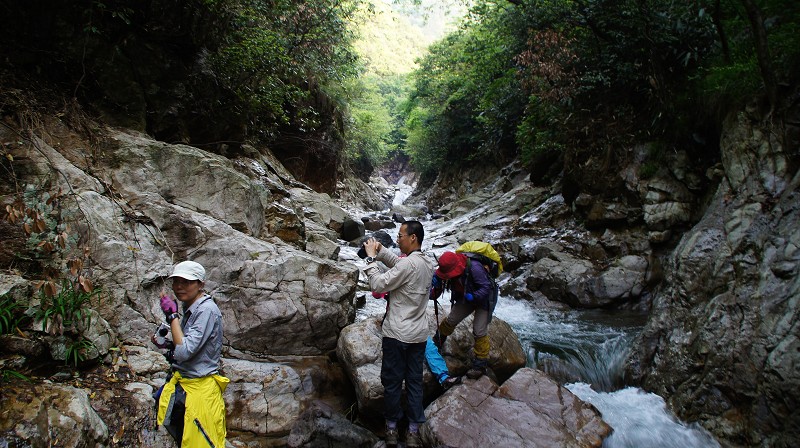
391, 437
478, 369
451, 381
413, 440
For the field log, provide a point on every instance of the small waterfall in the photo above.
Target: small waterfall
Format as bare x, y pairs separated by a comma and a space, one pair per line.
574, 346
586, 350
402, 192
603, 367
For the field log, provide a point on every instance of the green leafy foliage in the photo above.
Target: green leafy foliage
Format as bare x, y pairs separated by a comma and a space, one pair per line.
8, 375
530, 76
467, 90
420, 138
390, 37
276, 55
538, 132
9, 314
63, 311
388, 42
731, 75
370, 121
76, 351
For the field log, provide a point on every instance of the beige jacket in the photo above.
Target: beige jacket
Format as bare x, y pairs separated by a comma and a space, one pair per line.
408, 283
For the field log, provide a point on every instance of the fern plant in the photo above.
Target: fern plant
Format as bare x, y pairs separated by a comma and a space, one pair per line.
77, 350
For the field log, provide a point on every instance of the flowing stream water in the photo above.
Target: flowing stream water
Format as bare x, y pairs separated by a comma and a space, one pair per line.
590, 348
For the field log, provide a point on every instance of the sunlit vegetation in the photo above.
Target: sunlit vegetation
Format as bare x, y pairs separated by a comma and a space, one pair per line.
391, 38
276, 55
526, 76
363, 78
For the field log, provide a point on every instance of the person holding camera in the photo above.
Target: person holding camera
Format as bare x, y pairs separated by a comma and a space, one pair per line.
405, 327
195, 381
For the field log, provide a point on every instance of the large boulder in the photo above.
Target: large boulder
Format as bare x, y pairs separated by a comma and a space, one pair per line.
322, 426
267, 399
529, 409
506, 355
320, 208
174, 202
262, 398
50, 414
586, 281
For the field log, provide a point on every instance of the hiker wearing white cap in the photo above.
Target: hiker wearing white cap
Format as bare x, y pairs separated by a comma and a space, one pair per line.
197, 337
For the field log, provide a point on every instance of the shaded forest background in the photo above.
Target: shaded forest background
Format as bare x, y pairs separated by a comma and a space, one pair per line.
331, 86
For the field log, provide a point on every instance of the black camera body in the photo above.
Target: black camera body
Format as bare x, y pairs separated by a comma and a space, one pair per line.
380, 235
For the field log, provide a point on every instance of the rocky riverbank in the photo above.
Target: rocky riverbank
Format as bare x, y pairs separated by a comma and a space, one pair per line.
710, 253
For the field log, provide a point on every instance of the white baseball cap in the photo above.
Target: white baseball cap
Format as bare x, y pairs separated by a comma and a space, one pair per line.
190, 270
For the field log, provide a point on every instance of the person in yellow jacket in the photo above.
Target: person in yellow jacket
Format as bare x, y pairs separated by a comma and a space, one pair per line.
195, 380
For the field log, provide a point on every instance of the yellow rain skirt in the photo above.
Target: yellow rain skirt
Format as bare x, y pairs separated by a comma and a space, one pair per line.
204, 420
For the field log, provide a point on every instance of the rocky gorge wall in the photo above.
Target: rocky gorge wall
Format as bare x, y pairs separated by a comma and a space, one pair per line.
139, 206
723, 342
710, 251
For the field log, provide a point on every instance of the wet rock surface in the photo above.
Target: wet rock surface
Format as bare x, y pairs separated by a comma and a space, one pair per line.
529, 409
711, 253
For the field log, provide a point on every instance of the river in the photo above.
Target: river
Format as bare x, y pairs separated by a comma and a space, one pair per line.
593, 346
589, 347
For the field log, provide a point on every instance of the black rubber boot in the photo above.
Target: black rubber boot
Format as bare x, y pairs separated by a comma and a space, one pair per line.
478, 368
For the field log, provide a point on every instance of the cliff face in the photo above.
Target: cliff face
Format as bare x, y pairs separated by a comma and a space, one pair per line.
723, 342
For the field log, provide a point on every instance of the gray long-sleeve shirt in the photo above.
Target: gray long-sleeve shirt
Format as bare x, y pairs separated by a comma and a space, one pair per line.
200, 352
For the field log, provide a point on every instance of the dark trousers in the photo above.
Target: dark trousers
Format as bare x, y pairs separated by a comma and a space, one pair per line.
402, 361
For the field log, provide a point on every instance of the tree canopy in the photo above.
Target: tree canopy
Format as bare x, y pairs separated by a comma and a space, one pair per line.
319, 80
530, 76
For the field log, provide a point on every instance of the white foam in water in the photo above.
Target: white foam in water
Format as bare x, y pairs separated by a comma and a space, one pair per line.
641, 419
402, 192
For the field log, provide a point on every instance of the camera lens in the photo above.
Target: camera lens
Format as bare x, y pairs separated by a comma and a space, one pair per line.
163, 331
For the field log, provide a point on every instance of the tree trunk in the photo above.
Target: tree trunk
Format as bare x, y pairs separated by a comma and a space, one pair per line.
723, 37
762, 50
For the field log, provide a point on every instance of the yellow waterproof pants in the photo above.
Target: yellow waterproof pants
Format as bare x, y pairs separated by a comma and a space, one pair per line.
204, 404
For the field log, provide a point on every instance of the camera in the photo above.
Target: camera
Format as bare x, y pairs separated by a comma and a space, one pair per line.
160, 336
380, 235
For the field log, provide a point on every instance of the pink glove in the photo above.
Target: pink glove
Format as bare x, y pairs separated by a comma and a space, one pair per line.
168, 306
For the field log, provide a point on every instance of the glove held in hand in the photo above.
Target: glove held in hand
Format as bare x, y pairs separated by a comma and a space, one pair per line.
168, 306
